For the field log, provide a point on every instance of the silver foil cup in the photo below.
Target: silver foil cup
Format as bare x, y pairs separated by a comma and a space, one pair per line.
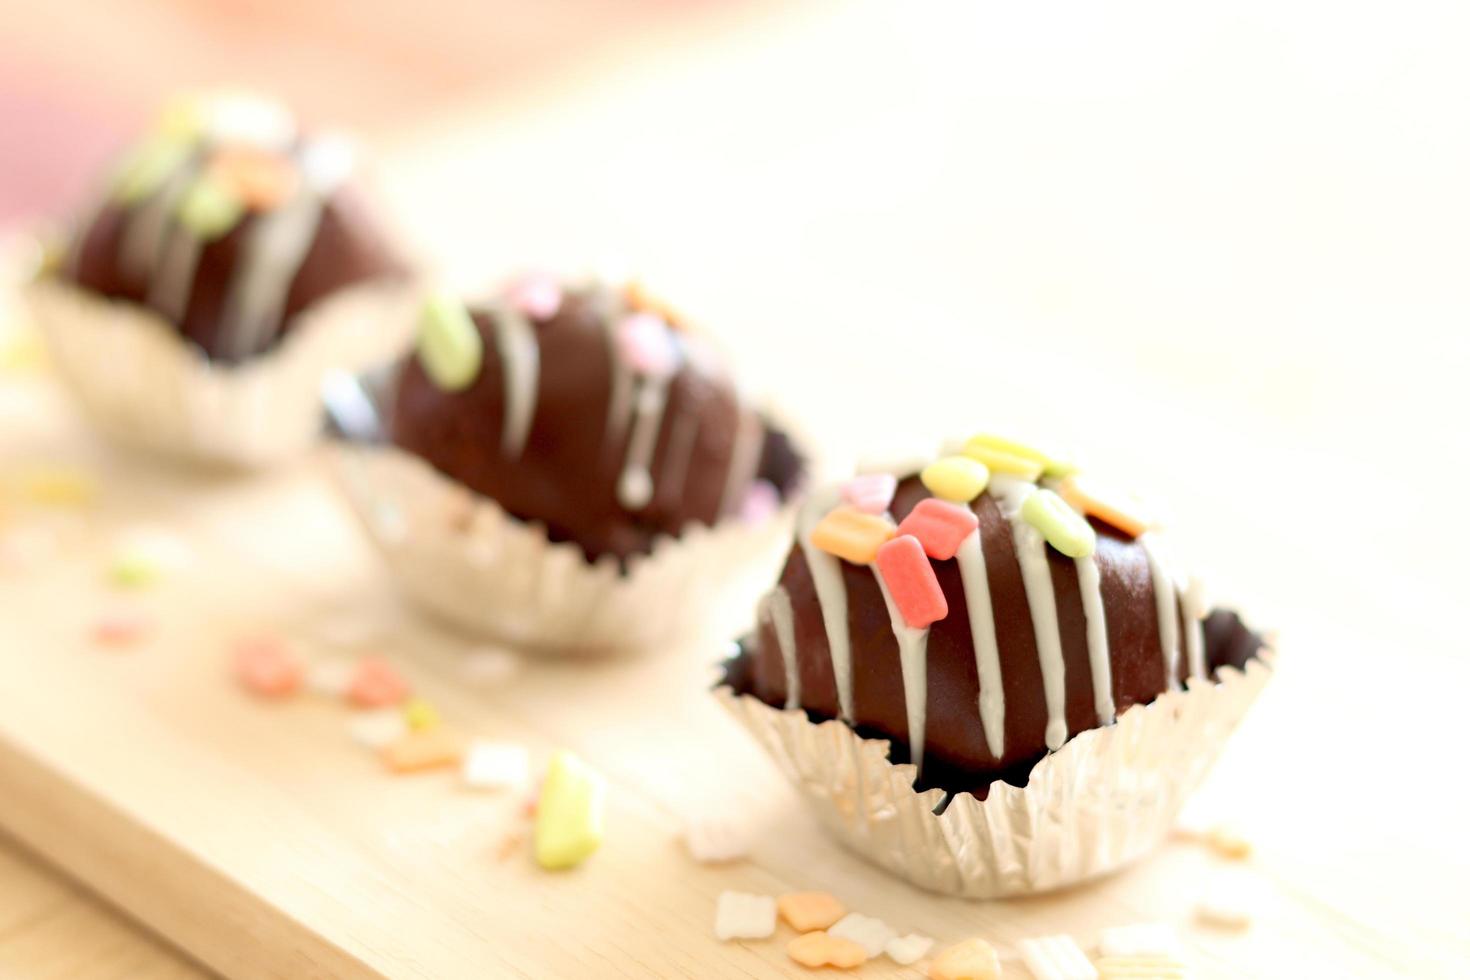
1106, 798
462, 557
143, 385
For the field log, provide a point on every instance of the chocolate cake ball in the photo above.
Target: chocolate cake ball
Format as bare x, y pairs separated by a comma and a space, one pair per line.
979, 614
227, 221
589, 410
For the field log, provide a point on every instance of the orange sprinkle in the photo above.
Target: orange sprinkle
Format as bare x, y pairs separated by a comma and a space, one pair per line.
262, 180
639, 298
376, 684
973, 959
432, 748
1109, 507
265, 666
815, 950
809, 911
853, 535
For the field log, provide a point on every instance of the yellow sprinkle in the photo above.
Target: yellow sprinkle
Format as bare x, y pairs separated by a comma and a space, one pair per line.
1004, 461
21, 353
987, 443
57, 486
133, 569
420, 714
569, 814
959, 479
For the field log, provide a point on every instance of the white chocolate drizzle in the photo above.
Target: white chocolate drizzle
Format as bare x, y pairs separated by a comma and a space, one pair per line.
1041, 598
992, 702
148, 227
776, 606
635, 482
1089, 585
273, 254
520, 366
744, 459
609, 307
1194, 628
831, 591
913, 646
173, 284
1167, 606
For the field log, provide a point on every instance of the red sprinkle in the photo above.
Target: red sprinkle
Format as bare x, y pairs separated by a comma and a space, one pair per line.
940, 526
911, 582
121, 629
377, 684
267, 667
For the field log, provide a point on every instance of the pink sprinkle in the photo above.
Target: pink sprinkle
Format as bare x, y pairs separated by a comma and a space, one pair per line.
761, 501
646, 344
536, 294
911, 582
377, 684
870, 493
120, 629
267, 667
940, 526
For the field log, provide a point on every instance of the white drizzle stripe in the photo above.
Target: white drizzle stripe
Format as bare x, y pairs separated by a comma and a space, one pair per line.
520, 366
744, 459
274, 253
776, 606
620, 390
831, 591
1166, 604
1194, 631
971, 560
1041, 598
635, 481
913, 647
150, 223
173, 286
1089, 584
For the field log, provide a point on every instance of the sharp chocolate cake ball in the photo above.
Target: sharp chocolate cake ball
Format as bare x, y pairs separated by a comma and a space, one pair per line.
590, 411
980, 614
227, 221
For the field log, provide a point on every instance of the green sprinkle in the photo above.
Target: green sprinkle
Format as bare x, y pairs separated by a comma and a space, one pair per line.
134, 569
1064, 528
209, 209
449, 346
148, 166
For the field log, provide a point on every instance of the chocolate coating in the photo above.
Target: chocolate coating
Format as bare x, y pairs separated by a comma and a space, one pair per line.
566, 477
348, 248
956, 754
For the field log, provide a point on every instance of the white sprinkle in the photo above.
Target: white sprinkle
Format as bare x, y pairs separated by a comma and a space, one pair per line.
375, 729
330, 678
1056, 958
1143, 939
739, 915
489, 667
496, 765
1226, 904
908, 950
714, 839
873, 935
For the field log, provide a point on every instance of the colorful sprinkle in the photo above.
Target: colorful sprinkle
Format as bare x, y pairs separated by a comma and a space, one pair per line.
818, 949
1140, 968
973, 959
259, 179
210, 208
420, 715
638, 297
647, 346
911, 582
981, 449
57, 486
940, 526
377, 684
873, 935
449, 344
762, 501
267, 667
741, 915
1228, 842
1064, 528
569, 816
870, 493
958, 479
1056, 958
1114, 509
852, 535
1226, 904
149, 166
908, 950
715, 839
1050, 465
434, 748
121, 629
536, 295
496, 766
133, 569
327, 160
810, 911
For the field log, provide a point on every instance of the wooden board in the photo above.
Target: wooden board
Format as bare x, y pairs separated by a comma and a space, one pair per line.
262, 840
